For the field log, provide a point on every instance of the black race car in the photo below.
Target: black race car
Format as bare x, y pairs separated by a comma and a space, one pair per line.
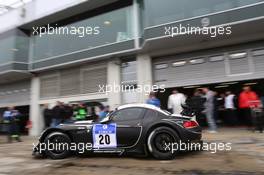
139, 129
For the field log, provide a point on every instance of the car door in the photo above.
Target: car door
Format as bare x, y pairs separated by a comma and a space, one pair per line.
128, 125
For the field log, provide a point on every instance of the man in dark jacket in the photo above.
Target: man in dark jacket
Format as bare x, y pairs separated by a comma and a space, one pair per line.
47, 113
11, 119
57, 111
196, 103
68, 113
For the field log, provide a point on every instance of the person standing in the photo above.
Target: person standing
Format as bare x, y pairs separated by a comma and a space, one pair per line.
103, 112
68, 113
209, 109
196, 103
248, 99
81, 112
175, 102
230, 109
11, 119
153, 100
57, 114
47, 113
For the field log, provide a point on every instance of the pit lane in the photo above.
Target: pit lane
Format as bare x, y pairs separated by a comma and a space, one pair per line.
246, 157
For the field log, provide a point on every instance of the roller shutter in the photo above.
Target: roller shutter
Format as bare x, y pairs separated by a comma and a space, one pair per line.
73, 81
211, 67
92, 78
15, 94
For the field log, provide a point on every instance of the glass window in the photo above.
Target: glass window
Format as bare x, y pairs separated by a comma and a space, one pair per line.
157, 12
127, 114
14, 46
111, 27
7, 49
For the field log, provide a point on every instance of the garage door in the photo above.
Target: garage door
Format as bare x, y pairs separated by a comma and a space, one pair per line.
214, 66
73, 81
15, 94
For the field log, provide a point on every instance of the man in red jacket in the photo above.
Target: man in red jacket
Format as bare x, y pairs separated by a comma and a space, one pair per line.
248, 99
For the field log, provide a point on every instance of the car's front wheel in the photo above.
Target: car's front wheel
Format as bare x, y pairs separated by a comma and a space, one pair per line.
160, 143
57, 145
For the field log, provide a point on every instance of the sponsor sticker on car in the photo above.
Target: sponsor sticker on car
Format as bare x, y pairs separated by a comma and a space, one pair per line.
104, 136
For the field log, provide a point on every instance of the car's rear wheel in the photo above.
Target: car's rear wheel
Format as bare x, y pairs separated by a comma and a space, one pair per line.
57, 145
160, 142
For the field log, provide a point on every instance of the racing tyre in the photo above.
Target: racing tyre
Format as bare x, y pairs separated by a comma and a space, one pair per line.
59, 144
160, 142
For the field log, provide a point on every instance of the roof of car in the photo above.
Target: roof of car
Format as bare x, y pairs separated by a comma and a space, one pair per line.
142, 105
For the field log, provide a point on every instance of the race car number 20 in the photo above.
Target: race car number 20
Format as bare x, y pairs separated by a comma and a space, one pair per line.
104, 136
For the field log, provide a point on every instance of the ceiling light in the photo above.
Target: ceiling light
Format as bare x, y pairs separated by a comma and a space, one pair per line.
238, 55
14, 49
229, 83
249, 84
179, 63
191, 87
221, 86
107, 23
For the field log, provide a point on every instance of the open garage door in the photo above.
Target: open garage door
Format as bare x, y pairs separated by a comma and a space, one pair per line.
235, 63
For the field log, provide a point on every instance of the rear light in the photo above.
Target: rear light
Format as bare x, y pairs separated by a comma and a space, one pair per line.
190, 124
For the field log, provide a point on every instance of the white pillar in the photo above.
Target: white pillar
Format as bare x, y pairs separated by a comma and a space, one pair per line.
35, 114
144, 74
114, 79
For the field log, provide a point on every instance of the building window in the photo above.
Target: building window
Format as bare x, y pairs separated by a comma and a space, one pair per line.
216, 58
156, 12
14, 46
111, 27
178, 63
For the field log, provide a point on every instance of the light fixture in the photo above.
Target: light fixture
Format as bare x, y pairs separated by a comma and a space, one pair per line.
107, 23
221, 86
191, 87
238, 55
197, 61
179, 63
229, 83
14, 49
250, 84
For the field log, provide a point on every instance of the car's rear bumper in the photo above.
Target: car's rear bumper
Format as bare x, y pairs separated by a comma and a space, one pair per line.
193, 134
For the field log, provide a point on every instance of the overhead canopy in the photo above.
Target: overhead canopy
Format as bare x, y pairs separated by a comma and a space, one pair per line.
7, 5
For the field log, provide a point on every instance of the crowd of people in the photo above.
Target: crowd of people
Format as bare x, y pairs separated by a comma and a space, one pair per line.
227, 107
206, 104
67, 113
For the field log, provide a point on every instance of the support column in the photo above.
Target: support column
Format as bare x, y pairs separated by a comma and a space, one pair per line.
144, 74
35, 114
114, 79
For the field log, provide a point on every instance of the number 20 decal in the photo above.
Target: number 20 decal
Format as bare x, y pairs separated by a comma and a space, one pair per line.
104, 139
